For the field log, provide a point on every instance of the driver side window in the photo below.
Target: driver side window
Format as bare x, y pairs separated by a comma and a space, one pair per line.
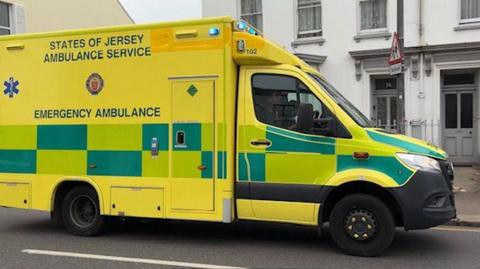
287, 103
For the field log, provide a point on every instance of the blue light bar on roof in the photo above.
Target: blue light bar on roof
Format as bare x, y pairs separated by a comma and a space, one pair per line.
241, 25
214, 31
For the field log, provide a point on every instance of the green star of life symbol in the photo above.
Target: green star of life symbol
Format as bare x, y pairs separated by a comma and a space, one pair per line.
192, 90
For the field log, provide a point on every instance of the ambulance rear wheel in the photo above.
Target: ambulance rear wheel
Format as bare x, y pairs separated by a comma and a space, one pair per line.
362, 225
81, 212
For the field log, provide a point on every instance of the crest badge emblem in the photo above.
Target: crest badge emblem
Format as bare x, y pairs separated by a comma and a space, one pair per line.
94, 83
11, 87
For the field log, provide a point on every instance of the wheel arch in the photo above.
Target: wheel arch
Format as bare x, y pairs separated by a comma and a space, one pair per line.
334, 194
62, 187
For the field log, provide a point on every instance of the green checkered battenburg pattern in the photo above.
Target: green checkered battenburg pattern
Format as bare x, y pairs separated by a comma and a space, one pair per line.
410, 147
102, 150
298, 152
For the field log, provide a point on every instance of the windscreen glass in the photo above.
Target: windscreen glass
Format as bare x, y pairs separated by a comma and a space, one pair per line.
350, 109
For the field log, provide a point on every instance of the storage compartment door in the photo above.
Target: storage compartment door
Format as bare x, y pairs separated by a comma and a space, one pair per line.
13, 194
137, 202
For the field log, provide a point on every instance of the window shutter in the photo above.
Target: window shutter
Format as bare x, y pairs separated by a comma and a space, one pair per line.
309, 18
470, 9
373, 14
18, 19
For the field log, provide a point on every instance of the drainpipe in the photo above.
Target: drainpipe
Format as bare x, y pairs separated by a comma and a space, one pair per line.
421, 94
401, 78
421, 27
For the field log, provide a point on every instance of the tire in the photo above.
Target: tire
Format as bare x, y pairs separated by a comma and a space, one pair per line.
81, 212
362, 225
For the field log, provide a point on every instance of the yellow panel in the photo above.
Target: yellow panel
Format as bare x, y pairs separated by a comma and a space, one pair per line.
15, 194
196, 106
300, 168
292, 212
62, 162
192, 193
18, 137
244, 209
189, 38
137, 202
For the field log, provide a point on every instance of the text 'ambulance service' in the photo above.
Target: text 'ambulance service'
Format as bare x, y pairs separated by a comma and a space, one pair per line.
202, 120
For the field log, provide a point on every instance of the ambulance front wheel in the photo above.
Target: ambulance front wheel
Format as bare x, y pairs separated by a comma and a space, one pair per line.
81, 212
362, 225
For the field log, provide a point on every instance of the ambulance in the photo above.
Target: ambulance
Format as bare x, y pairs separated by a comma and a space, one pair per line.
203, 120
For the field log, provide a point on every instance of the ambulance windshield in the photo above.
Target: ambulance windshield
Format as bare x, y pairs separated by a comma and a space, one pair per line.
350, 109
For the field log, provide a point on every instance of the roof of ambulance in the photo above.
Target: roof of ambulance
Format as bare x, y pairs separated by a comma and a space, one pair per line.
224, 19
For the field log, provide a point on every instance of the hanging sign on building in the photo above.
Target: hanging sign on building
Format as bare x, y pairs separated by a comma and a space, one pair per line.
395, 60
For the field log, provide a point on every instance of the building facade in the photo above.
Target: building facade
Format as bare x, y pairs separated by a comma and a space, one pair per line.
19, 16
349, 41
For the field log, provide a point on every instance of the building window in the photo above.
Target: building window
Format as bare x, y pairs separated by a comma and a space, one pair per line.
309, 18
470, 11
373, 15
459, 79
251, 12
5, 27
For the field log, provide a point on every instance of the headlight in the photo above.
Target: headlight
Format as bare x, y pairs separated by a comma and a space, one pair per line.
420, 162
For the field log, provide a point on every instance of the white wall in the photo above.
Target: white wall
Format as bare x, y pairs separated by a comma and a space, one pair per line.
54, 15
214, 8
278, 21
440, 18
440, 24
411, 20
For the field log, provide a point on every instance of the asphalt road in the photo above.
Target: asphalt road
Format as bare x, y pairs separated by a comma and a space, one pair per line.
162, 244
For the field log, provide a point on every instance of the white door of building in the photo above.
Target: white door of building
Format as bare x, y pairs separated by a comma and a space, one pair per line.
458, 112
386, 112
385, 102
458, 124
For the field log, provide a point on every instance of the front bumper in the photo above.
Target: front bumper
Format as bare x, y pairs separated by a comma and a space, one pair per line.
426, 200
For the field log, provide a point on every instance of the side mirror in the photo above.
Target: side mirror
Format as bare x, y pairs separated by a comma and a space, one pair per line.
305, 117
326, 126
331, 126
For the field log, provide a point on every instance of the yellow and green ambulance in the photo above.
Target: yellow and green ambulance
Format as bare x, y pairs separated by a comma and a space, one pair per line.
202, 120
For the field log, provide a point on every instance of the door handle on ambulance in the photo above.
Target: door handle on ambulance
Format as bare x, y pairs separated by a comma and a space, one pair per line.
261, 142
186, 33
15, 46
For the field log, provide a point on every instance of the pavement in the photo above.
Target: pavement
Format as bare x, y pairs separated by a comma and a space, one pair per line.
467, 196
28, 239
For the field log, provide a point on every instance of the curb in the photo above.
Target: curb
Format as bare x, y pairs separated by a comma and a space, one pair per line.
464, 223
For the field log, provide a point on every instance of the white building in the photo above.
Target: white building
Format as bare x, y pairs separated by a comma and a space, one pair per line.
349, 42
19, 16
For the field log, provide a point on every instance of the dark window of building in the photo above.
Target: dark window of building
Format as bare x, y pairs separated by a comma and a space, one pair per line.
251, 12
466, 113
4, 19
385, 84
458, 79
451, 111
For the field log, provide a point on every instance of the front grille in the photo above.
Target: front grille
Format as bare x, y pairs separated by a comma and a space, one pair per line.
448, 173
